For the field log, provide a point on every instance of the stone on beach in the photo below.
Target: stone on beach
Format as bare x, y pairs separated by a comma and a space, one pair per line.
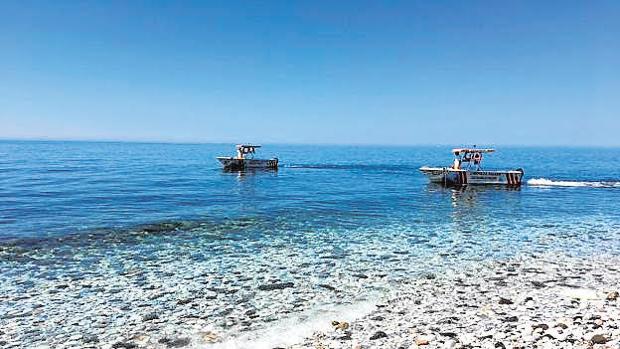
599, 339
422, 341
209, 336
505, 301
378, 335
340, 325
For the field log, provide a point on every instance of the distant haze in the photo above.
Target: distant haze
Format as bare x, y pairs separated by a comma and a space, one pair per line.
369, 72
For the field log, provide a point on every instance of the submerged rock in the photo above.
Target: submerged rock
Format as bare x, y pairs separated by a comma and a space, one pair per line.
276, 286
327, 287
175, 342
185, 301
150, 316
90, 338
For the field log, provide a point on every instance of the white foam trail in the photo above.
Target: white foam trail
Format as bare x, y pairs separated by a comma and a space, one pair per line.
543, 182
291, 331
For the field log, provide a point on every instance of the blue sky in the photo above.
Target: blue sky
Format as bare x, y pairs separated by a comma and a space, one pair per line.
376, 72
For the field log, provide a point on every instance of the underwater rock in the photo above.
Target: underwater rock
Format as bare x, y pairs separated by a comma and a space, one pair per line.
124, 345
327, 287
174, 342
90, 338
150, 316
276, 286
185, 301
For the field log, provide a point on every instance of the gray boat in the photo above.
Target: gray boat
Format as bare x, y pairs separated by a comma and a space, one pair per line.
245, 159
467, 170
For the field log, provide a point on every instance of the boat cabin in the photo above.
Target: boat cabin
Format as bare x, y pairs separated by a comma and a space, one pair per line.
469, 158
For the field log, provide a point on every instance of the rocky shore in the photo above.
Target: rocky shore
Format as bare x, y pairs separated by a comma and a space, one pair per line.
533, 301
530, 302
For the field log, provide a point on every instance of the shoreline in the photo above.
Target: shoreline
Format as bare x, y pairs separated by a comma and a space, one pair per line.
550, 301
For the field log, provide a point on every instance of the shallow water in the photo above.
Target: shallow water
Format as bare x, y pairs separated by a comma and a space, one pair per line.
344, 225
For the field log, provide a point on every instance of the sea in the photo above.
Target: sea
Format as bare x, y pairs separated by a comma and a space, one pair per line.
338, 226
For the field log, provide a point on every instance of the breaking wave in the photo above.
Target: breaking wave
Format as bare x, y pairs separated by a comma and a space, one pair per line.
543, 182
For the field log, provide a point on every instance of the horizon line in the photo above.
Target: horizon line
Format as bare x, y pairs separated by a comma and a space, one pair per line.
189, 142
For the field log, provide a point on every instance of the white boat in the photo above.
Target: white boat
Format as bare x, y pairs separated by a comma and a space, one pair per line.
245, 159
467, 170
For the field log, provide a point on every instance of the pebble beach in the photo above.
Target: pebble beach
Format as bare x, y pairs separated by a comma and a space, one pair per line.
533, 302
539, 301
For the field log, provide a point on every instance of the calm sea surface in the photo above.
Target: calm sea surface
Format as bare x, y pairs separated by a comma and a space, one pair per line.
357, 218
58, 188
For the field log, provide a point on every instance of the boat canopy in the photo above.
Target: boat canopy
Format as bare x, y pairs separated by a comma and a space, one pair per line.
458, 151
240, 146
469, 156
246, 149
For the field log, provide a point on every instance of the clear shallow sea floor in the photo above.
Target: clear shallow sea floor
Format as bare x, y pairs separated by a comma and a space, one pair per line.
238, 279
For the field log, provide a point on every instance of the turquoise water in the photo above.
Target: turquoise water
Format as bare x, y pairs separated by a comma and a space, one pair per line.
341, 223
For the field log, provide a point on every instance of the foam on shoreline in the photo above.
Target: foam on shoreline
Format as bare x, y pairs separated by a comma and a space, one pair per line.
292, 330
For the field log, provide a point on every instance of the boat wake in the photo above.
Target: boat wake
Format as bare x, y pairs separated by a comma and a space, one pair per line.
348, 167
543, 182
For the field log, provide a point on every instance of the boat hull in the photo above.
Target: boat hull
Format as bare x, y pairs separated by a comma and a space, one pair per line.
230, 163
452, 177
